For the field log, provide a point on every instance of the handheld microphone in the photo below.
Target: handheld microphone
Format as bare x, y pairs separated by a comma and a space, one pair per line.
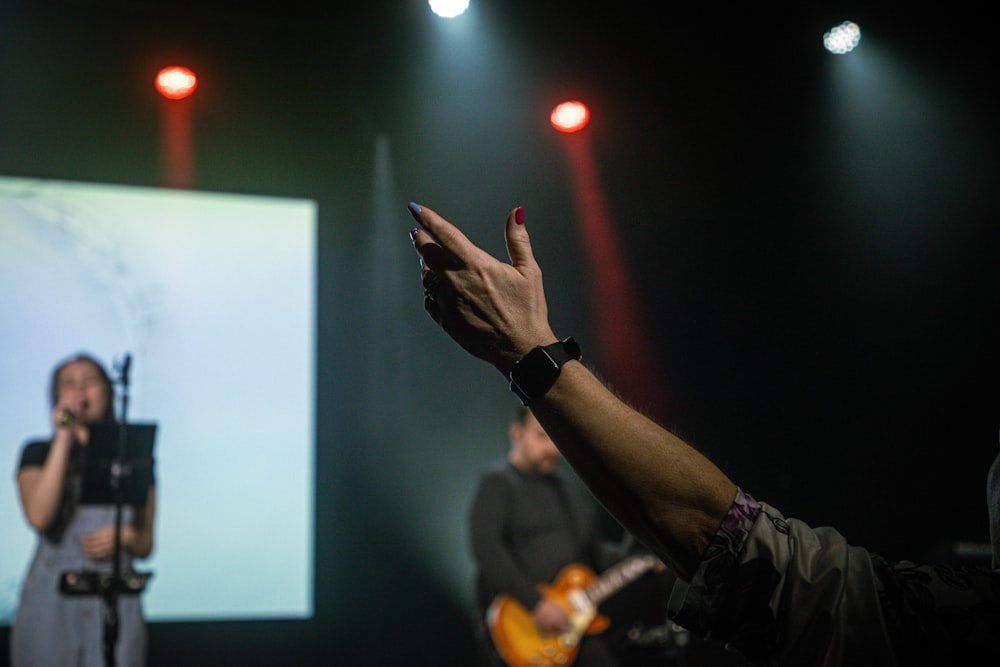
66, 418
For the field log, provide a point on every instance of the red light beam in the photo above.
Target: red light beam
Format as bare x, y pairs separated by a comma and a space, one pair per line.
627, 358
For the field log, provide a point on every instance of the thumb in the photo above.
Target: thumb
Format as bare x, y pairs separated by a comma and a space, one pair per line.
518, 243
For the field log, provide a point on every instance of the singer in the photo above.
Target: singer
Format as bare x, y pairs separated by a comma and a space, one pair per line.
49, 628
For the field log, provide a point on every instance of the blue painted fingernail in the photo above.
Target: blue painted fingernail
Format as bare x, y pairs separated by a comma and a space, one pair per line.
414, 208
414, 232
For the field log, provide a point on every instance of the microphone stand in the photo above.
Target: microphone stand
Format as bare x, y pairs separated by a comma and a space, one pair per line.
111, 594
96, 583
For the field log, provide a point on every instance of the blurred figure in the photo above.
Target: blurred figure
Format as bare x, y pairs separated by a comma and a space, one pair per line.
527, 524
50, 628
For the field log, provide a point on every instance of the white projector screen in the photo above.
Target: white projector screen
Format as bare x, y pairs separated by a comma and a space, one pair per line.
214, 298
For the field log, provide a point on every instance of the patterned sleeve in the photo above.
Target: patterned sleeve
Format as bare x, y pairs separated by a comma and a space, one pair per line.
781, 592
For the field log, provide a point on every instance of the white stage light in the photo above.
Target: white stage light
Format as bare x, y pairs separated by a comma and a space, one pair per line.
448, 9
842, 38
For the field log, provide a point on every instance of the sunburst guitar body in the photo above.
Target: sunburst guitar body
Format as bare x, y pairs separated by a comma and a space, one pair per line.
579, 591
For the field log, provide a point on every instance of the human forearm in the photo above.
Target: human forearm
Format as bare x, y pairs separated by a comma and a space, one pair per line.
499, 570
661, 489
141, 542
41, 487
137, 542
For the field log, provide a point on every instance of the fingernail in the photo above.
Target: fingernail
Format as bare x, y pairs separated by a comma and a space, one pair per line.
519, 215
414, 209
414, 232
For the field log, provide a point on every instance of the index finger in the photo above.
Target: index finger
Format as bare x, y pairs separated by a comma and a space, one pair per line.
447, 235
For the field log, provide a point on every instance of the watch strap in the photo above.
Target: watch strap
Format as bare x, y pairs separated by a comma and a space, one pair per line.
538, 370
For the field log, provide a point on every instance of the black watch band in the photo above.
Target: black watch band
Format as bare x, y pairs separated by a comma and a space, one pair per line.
538, 370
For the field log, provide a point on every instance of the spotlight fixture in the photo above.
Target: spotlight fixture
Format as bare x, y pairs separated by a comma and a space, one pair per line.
842, 38
570, 116
448, 9
176, 83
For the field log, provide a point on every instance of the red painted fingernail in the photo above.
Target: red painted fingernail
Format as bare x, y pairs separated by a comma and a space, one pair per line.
519, 215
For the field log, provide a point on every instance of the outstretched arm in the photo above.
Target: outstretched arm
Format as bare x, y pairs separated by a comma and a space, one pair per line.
657, 486
665, 492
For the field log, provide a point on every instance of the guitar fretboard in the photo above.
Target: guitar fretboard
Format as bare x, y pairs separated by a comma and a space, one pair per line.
618, 577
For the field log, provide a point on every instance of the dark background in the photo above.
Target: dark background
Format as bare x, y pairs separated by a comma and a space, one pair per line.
814, 240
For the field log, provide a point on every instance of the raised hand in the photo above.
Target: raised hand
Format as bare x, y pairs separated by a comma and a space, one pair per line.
494, 310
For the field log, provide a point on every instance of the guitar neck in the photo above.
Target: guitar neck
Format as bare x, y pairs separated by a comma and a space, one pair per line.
618, 577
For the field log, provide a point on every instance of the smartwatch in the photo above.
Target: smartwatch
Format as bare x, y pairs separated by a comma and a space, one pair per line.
538, 370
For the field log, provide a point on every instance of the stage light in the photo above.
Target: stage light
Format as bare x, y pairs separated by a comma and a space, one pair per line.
176, 83
448, 9
570, 116
842, 38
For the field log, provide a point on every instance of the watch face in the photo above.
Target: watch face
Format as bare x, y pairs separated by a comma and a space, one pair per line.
538, 370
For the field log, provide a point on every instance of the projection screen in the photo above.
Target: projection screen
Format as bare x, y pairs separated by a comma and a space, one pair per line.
213, 298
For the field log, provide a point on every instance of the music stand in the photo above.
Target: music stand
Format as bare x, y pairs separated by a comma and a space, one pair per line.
118, 470
102, 454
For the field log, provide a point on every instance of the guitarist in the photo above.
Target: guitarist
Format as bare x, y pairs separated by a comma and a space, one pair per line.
527, 521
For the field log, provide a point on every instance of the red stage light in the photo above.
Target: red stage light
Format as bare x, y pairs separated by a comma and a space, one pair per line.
570, 116
176, 83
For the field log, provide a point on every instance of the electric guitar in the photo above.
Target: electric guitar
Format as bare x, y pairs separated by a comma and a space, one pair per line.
579, 591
